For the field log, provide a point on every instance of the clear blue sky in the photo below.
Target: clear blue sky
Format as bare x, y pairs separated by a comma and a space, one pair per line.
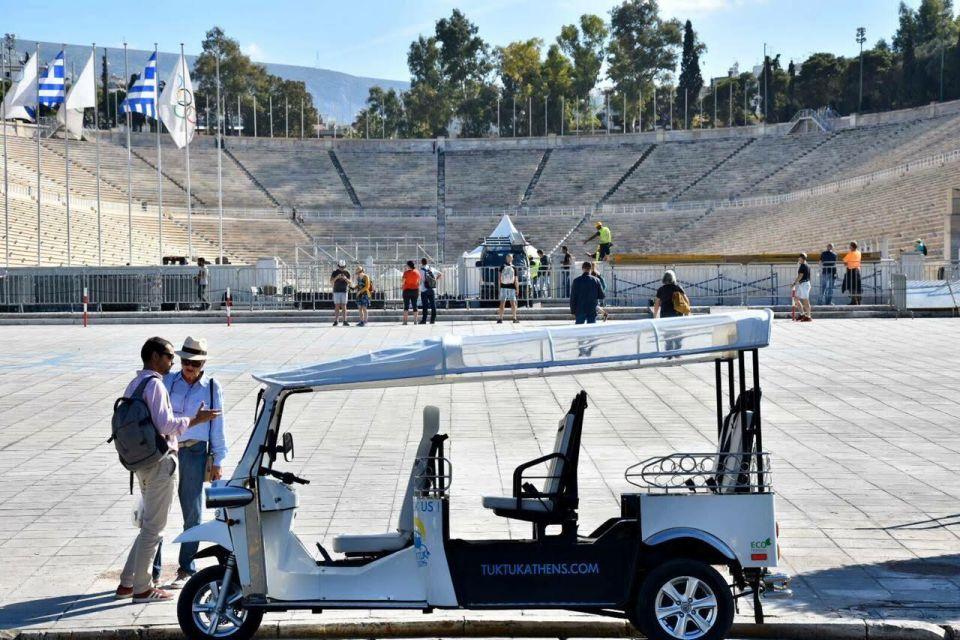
370, 38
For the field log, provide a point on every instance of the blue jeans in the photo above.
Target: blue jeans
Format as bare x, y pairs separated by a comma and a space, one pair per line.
587, 317
428, 302
192, 463
827, 285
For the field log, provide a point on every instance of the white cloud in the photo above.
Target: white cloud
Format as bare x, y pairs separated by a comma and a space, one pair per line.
253, 50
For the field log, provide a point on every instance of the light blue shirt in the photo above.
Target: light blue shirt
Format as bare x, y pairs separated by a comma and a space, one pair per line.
186, 399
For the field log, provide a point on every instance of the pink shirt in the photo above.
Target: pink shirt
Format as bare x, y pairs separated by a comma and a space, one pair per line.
157, 397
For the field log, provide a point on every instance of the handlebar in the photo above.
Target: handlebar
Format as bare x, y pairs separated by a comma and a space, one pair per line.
283, 476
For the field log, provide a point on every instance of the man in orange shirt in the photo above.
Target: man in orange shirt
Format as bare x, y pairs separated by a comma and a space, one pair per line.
851, 279
411, 290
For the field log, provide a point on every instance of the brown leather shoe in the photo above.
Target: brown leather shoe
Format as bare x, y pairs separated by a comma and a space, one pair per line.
123, 592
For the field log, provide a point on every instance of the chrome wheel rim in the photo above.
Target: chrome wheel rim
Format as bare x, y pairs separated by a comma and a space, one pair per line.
214, 623
686, 608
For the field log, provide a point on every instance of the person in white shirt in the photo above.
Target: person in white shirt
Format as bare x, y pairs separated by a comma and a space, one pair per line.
508, 288
200, 446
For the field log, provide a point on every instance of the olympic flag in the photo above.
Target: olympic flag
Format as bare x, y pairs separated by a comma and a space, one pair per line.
177, 108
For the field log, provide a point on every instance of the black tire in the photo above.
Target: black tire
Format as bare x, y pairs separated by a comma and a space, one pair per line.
689, 622
199, 586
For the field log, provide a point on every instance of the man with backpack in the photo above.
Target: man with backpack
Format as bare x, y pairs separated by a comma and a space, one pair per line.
364, 289
429, 278
145, 431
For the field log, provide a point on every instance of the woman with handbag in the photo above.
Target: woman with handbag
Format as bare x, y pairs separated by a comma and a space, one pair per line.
202, 448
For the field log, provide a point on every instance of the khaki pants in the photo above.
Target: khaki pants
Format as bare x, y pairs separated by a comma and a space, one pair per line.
157, 483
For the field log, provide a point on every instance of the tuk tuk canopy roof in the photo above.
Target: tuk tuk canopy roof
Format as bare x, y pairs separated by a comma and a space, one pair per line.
566, 349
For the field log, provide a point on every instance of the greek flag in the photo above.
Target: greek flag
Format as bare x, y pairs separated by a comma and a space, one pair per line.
143, 93
52, 88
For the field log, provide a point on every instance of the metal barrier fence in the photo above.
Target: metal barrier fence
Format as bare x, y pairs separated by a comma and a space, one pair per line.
298, 287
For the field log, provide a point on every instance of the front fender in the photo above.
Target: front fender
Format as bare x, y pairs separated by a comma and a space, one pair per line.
215, 531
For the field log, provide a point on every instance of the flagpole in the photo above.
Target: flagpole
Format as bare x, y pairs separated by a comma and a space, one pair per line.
301, 118
156, 117
6, 178
271, 114
38, 152
186, 117
126, 83
239, 121
254, 115
219, 163
96, 125
66, 162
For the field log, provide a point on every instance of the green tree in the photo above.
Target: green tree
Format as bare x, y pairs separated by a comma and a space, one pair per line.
642, 49
585, 47
519, 68
556, 75
239, 76
820, 83
691, 80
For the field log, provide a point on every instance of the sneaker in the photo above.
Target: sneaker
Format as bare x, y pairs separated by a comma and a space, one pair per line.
423, 322
335, 323
404, 323
346, 324
153, 595
123, 592
178, 581
361, 324
499, 320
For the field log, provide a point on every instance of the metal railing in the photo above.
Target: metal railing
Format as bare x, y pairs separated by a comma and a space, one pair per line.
309, 286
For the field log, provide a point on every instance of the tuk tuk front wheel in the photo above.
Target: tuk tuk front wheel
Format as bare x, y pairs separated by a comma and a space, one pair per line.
684, 600
197, 611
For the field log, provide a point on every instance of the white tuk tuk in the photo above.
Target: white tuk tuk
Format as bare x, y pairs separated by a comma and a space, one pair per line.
655, 563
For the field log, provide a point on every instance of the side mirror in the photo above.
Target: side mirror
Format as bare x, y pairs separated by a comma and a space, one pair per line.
288, 453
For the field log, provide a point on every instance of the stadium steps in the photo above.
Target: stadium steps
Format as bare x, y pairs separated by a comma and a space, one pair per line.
197, 246
166, 175
753, 186
111, 189
536, 178
441, 202
252, 177
709, 171
636, 165
344, 178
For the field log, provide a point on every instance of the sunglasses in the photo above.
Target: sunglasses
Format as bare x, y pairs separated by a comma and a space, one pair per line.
170, 356
193, 364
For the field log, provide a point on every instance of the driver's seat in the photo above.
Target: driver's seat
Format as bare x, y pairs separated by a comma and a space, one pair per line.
379, 543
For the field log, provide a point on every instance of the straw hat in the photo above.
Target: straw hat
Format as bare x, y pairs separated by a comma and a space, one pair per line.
193, 349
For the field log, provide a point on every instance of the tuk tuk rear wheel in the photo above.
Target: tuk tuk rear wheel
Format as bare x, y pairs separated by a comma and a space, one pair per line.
196, 608
684, 600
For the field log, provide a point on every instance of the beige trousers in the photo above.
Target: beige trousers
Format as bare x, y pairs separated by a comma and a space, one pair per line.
157, 484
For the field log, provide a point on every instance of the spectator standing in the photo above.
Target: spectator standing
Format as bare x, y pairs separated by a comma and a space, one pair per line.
364, 289
586, 292
202, 279
852, 282
201, 449
508, 288
429, 280
828, 274
545, 273
156, 480
663, 306
340, 281
534, 276
566, 265
605, 241
801, 288
410, 290
603, 286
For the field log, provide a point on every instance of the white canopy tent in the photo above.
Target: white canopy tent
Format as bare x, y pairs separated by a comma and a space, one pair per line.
566, 349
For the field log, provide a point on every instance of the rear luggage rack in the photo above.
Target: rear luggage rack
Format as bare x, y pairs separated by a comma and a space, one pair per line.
725, 473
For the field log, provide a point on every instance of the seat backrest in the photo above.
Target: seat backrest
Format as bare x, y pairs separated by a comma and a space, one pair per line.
418, 481
561, 472
735, 457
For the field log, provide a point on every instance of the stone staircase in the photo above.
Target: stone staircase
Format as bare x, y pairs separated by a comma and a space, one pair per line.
344, 178
536, 177
636, 165
253, 178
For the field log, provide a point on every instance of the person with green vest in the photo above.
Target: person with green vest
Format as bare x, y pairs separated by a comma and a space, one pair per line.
606, 241
534, 276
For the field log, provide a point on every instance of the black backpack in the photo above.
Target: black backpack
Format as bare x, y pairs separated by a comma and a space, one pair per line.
429, 278
137, 440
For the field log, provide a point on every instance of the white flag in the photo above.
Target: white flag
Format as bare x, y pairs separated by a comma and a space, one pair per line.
21, 100
82, 94
177, 108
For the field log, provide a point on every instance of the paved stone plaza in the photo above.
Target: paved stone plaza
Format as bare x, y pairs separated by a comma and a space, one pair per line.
862, 418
